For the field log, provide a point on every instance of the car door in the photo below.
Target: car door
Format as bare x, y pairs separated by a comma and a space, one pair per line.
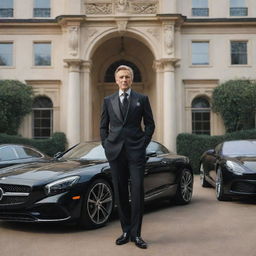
211, 161
158, 174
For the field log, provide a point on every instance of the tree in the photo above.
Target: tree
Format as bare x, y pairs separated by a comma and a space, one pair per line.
235, 100
16, 100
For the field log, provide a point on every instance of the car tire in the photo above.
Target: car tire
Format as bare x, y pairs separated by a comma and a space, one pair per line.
203, 182
97, 205
219, 186
184, 187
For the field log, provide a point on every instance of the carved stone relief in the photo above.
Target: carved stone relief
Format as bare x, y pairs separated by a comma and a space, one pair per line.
98, 8
107, 7
168, 38
143, 8
73, 40
122, 25
122, 6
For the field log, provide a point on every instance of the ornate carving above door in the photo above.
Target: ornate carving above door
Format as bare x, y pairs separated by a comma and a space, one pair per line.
119, 7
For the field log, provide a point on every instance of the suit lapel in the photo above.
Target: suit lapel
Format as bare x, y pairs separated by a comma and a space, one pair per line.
115, 106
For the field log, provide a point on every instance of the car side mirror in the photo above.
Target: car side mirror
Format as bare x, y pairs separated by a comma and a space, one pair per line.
58, 155
211, 152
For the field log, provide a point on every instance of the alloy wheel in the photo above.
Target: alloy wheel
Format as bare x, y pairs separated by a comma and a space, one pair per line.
186, 185
99, 203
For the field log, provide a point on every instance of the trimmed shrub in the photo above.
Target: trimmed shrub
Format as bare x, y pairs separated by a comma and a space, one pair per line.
57, 143
235, 101
194, 146
15, 102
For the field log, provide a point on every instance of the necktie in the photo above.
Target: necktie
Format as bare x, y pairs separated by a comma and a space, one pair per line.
125, 104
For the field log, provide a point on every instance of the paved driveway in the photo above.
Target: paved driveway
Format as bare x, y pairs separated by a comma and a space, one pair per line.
205, 227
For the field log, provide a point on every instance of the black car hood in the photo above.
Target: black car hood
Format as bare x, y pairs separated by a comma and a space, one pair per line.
44, 171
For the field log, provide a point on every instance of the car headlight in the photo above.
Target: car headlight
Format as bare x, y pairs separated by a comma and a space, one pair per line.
235, 167
61, 185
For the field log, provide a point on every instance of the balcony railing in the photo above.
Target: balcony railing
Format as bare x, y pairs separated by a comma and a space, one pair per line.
238, 11
200, 11
6, 12
42, 12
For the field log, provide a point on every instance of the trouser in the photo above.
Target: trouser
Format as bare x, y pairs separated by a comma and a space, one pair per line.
123, 168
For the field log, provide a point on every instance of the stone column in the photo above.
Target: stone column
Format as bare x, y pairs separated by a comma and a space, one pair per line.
88, 120
158, 67
169, 104
73, 102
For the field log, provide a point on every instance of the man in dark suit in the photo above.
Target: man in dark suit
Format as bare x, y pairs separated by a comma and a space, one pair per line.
125, 144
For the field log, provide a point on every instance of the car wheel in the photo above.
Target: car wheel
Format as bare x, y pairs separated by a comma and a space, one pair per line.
219, 186
203, 182
97, 204
184, 187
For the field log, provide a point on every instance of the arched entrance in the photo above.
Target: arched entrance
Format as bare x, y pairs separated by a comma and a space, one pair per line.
110, 54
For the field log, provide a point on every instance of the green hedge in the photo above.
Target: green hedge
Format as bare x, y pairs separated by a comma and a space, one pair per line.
49, 146
194, 146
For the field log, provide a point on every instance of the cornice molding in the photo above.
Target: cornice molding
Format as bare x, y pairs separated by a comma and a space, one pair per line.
219, 21
42, 81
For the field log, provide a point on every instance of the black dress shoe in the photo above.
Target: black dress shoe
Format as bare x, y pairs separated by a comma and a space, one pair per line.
139, 242
123, 239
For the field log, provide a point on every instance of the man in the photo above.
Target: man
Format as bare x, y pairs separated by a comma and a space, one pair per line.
125, 145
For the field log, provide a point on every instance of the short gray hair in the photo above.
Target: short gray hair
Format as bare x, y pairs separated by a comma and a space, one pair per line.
124, 67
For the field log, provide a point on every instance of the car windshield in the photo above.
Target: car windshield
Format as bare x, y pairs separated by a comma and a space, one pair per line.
239, 148
86, 151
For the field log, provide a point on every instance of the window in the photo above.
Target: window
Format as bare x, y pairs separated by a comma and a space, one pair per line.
200, 8
7, 154
42, 54
6, 8
42, 117
239, 53
110, 73
24, 152
42, 8
200, 53
154, 147
238, 8
200, 116
6, 54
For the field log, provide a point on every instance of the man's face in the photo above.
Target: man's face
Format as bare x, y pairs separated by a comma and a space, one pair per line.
124, 79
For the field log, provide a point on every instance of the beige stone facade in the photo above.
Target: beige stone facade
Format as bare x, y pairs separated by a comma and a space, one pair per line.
87, 37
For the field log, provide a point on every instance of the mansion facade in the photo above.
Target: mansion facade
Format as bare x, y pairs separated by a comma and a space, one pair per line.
180, 50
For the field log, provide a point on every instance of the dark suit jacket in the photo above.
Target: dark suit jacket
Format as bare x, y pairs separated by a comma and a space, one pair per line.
115, 131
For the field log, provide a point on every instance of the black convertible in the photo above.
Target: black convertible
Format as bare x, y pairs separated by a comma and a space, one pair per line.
77, 185
231, 169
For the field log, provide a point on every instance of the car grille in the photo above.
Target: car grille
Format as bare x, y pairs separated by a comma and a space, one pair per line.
13, 194
244, 187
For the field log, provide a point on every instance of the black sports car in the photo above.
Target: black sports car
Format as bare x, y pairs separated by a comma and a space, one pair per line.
11, 154
230, 168
78, 186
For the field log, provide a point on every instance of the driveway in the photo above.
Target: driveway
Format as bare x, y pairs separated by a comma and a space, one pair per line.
205, 227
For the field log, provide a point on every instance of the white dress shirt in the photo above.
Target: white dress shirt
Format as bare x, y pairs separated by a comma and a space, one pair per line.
121, 94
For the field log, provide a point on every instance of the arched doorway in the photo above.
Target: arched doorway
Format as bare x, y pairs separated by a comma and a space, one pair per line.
110, 54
